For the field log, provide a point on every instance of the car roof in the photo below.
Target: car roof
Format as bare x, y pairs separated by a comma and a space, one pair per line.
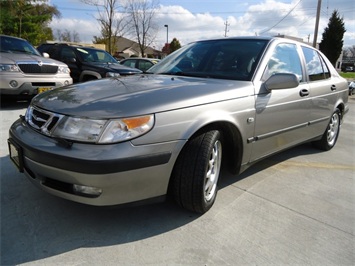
13, 37
266, 38
269, 39
71, 45
140, 58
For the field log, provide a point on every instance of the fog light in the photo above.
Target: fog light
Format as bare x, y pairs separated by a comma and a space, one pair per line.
66, 82
13, 83
86, 191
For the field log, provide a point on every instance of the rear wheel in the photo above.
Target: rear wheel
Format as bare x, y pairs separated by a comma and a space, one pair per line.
331, 134
196, 173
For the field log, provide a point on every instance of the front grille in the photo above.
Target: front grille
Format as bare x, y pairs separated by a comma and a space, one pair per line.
37, 68
38, 118
42, 120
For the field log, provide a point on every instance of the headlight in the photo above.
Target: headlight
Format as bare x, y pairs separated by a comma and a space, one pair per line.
79, 129
112, 74
103, 131
127, 128
63, 70
9, 68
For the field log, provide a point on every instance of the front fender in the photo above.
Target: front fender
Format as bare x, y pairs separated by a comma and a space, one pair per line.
182, 124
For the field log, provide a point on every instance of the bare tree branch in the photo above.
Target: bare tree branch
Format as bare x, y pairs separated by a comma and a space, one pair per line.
112, 19
142, 14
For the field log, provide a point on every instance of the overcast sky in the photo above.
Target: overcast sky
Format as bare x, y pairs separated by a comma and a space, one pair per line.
191, 20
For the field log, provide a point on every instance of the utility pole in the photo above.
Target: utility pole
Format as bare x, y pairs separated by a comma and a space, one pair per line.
317, 24
226, 28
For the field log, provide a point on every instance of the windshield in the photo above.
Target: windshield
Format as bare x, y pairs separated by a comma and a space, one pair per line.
225, 59
94, 55
13, 45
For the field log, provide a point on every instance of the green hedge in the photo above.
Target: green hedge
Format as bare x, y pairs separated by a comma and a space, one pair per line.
348, 75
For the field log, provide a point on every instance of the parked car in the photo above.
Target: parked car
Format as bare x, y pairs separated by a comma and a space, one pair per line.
351, 87
86, 63
349, 69
141, 63
25, 72
216, 103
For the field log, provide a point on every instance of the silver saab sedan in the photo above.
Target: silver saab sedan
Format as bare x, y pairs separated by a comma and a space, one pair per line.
216, 103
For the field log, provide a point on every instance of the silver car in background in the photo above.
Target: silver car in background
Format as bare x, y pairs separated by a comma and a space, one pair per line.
216, 103
25, 72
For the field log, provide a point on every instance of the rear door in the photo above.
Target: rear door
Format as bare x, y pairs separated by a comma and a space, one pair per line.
323, 89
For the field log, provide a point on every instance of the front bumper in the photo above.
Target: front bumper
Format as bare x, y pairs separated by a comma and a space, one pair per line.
122, 172
31, 84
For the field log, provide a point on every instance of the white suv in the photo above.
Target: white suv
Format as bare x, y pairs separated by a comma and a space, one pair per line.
24, 71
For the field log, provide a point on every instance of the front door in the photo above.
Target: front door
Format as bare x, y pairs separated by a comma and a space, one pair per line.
282, 115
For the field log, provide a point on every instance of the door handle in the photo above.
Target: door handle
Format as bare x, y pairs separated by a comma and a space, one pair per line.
304, 92
333, 88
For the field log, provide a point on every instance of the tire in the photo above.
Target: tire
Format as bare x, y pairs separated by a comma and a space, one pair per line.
88, 78
196, 172
331, 134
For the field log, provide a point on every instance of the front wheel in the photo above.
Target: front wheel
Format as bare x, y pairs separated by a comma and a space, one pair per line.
196, 173
331, 134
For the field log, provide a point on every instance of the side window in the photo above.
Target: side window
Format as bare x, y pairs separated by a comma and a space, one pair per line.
325, 68
285, 59
144, 65
66, 54
316, 67
130, 63
53, 52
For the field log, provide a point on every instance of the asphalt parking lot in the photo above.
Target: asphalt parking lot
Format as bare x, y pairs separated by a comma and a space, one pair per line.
295, 208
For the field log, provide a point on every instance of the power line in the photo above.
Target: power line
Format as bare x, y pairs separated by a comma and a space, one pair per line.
280, 19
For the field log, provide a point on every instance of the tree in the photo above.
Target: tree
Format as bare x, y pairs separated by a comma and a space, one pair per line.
141, 14
67, 36
171, 47
166, 48
113, 22
332, 41
349, 51
27, 19
99, 40
174, 45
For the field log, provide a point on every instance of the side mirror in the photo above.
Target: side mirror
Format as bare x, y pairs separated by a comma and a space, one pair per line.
45, 55
69, 60
281, 81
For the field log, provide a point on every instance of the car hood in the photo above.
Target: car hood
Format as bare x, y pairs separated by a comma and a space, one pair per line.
139, 94
11, 58
115, 67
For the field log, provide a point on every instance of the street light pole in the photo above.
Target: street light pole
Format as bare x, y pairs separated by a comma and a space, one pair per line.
167, 33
